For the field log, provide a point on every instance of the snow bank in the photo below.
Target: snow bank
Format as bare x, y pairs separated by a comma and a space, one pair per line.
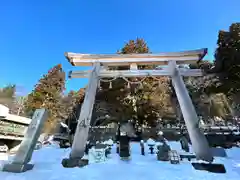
48, 167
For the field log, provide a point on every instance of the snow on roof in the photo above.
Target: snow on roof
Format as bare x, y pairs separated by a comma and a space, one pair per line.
18, 119
4, 114
4, 111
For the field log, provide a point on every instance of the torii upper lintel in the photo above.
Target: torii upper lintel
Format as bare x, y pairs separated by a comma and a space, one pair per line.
183, 57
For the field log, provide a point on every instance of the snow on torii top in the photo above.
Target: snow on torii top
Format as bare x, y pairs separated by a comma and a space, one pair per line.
184, 57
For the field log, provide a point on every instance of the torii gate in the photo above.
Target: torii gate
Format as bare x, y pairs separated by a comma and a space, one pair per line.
101, 62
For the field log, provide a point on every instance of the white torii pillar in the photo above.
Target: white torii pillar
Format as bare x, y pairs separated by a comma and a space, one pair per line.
81, 134
199, 141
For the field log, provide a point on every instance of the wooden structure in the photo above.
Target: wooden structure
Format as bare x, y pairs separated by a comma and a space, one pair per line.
101, 64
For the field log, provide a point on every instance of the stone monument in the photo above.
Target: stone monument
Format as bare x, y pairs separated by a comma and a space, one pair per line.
142, 147
126, 132
21, 160
184, 144
124, 149
163, 152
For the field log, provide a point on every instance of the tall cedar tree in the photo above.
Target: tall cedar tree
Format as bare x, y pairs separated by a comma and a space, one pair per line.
151, 100
112, 101
227, 65
72, 106
116, 101
70, 101
227, 58
224, 74
138, 46
7, 96
48, 94
223, 77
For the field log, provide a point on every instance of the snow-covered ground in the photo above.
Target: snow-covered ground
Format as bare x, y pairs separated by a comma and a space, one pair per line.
48, 167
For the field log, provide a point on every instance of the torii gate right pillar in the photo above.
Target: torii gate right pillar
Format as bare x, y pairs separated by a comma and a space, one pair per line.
199, 142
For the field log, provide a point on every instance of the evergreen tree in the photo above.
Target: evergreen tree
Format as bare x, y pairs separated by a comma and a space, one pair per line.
72, 106
151, 100
227, 59
138, 46
7, 96
222, 76
48, 94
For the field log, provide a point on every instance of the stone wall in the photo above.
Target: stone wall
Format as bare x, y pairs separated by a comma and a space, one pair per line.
102, 133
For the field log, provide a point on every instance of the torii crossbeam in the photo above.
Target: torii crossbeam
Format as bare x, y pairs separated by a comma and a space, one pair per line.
100, 65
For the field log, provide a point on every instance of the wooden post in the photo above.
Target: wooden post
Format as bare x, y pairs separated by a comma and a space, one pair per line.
81, 134
117, 147
142, 147
24, 153
199, 141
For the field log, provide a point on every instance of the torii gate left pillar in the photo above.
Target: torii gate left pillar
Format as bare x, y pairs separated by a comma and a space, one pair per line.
81, 134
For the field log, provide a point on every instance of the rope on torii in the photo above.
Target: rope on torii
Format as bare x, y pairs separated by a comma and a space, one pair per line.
140, 82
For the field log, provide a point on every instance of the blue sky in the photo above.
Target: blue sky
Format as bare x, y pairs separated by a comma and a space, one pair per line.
35, 34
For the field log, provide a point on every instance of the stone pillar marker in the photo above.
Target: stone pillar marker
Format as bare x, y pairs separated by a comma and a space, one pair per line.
24, 153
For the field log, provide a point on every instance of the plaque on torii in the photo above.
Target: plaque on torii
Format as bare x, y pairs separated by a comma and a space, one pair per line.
101, 62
